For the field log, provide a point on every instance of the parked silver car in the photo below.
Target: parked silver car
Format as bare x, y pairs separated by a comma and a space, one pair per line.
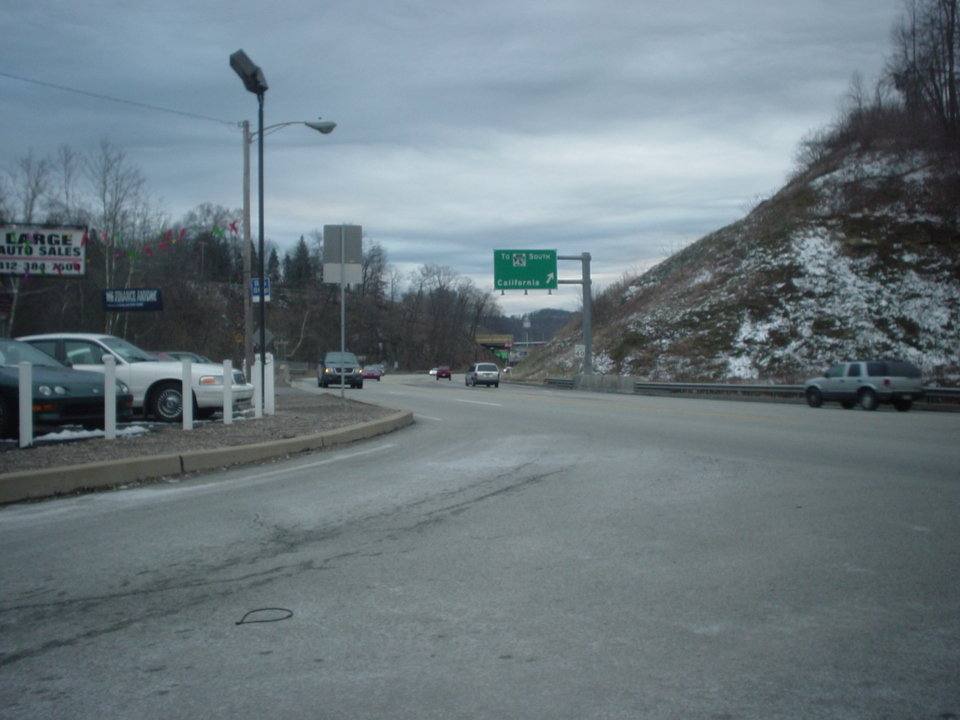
867, 382
483, 374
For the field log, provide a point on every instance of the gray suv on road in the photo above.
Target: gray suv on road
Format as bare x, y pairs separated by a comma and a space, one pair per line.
867, 382
339, 368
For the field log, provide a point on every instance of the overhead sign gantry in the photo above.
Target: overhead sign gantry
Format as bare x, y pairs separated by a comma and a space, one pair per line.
537, 270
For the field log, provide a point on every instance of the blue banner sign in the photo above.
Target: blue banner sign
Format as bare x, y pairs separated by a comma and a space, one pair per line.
124, 299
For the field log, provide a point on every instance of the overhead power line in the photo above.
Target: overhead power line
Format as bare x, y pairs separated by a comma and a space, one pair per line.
118, 100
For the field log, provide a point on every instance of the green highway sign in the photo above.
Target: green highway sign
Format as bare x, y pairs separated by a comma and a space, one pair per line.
525, 269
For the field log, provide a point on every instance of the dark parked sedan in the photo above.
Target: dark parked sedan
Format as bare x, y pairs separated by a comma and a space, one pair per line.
61, 395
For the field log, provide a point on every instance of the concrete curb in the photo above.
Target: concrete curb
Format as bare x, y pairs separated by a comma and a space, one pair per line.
34, 484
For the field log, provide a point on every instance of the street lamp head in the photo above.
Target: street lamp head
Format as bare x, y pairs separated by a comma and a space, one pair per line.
324, 126
250, 73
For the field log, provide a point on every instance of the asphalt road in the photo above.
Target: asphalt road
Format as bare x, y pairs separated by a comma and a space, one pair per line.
517, 553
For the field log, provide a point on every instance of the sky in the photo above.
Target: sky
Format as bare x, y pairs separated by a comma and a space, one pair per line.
623, 128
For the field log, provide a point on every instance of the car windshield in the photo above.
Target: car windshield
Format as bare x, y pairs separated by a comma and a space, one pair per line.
487, 367
128, 351
344, 357
13, 352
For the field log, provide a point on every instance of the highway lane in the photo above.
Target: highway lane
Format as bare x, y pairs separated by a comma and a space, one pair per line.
519, 552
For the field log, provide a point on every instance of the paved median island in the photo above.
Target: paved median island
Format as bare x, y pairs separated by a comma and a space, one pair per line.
288, 433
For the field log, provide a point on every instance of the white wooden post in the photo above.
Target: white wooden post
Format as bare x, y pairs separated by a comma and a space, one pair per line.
109, 397
270, 397
228, 392
26, 404
257, 390
186, 394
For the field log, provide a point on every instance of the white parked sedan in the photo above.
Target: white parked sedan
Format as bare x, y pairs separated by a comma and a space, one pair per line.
156, 385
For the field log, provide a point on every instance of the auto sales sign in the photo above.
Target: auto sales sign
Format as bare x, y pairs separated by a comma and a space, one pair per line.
43, 250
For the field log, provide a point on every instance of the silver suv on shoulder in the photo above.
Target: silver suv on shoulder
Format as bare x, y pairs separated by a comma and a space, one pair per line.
867, 383
483, 374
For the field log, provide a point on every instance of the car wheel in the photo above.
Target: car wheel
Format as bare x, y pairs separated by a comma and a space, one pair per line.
319, 382
8, 420
868, 399
903, 405
360, 385
166, 402
814, 397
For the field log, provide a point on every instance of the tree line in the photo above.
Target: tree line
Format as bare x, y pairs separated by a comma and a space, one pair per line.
429, 317
914, 103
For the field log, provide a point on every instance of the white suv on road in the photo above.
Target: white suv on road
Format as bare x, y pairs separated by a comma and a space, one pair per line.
156, 385
483, 374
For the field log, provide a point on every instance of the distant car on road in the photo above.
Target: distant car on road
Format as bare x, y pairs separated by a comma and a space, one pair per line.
339, 368
156, 385
372, 372
61, 395
483, 374
867, 382
443, 371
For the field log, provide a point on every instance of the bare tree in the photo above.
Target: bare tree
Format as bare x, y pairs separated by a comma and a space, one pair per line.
30, 182
63, 203
924, 67
118, 190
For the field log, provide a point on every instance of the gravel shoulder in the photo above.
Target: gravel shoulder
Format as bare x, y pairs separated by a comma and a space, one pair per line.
298, 413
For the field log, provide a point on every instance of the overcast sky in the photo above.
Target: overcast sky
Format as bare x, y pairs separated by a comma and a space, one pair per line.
622, 128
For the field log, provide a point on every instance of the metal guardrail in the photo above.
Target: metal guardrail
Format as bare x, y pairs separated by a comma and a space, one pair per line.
933, 394
790, 391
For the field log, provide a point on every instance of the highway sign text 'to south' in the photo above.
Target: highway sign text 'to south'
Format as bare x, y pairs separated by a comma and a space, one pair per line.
525, 269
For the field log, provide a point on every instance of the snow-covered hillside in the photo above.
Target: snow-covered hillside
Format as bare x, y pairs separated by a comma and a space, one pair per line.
861, 259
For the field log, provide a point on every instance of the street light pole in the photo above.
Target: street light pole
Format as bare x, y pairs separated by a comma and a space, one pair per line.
255, 82
260, 253
247, 261
320, 125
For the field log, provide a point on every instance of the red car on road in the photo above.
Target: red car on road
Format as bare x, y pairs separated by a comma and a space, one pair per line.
444, 372
372, 372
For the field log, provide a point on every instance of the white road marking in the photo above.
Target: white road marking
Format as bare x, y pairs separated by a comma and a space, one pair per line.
479, 402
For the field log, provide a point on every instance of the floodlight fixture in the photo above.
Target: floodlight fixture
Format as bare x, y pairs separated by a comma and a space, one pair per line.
249, 72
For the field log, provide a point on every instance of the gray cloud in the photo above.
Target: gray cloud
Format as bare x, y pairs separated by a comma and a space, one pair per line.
625, 129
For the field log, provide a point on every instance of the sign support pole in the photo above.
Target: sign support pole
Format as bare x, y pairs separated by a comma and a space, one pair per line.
584, 259
343, 311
